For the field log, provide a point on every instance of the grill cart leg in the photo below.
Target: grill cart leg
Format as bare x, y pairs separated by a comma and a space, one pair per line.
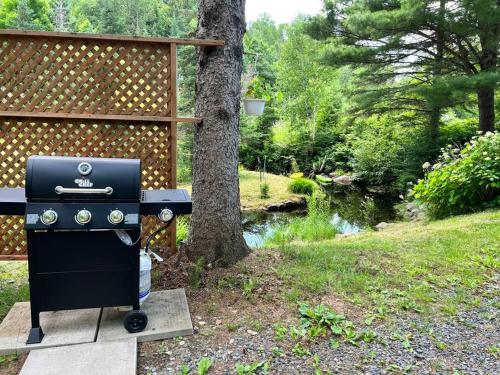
36, 332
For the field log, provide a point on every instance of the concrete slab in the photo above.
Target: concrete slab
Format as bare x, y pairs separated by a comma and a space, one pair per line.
168, 316
60, 328
100, 358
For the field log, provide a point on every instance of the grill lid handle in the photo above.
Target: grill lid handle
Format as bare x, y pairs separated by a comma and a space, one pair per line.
62, 190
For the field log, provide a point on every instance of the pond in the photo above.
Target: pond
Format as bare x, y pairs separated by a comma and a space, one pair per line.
351, 212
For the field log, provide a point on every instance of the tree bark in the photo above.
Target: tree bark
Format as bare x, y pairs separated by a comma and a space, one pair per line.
486, 105
435, 112
486, 93
488, 61
216, 232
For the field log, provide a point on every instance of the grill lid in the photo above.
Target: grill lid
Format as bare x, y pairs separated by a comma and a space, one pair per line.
69, 178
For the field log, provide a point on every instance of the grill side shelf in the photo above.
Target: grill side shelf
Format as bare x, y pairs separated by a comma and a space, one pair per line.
12, 201
178, 200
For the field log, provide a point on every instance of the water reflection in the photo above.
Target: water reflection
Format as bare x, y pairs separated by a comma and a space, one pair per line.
352, 211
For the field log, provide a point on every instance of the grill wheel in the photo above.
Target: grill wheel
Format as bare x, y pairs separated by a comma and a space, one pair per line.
135, 321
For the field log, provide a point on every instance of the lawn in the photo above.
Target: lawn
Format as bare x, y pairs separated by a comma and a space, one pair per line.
250, 190
422, 267
427, 270
13, 285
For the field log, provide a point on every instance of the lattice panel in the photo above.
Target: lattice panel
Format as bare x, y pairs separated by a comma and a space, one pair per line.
83, 76
20, 139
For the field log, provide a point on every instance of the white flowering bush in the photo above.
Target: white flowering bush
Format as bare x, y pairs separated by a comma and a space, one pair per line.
463, 180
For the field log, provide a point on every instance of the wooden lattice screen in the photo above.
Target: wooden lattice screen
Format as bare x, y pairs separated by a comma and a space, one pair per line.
87, 95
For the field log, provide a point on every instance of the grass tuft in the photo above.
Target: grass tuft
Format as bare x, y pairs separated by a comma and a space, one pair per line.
302, 186
315, 226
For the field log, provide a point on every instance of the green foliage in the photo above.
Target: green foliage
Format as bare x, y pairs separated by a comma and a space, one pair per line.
463, 180
184, 370
379, 36
302, 186
12, 292
25, 14
264, 190
494, 350
259, 89
196, 273
280, 332
252, 368
300, 350
315, 226
6, 359
387, 151
248, 288
182, 229
204, 365
232, 327
324, 180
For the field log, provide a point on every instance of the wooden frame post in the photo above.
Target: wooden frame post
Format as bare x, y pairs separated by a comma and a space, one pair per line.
173, 137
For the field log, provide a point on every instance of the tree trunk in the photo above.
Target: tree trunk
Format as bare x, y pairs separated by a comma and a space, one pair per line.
435, 112
486, 92
489, 40
216, 232
486, 105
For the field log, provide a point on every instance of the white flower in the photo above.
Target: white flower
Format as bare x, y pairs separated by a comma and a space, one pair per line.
426, 165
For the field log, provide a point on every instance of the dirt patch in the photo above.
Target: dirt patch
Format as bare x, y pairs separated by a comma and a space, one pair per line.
11, 365
232, 306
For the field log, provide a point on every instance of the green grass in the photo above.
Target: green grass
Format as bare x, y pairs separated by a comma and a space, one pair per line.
302, 186
250, 190
13, 285
315, 226
420, 267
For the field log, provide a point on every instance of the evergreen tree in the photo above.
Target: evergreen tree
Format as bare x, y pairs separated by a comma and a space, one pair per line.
25, 16
416, 54
60, 15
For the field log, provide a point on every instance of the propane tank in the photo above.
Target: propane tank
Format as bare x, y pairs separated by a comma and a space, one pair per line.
144, 276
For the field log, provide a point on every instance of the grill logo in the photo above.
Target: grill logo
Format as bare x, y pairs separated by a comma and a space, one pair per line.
84, 182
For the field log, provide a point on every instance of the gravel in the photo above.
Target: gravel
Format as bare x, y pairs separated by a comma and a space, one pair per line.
409, 344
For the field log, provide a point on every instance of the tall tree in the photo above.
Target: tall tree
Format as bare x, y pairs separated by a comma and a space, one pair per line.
25, 14
216, 232
411, 45
60, 15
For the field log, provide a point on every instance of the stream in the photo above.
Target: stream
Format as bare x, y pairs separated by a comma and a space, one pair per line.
351, 212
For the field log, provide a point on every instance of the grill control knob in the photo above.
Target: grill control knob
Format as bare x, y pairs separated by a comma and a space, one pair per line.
83, 217
166, 215
116, 217
49, 217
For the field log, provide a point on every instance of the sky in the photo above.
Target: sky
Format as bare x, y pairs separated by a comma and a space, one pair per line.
281, 11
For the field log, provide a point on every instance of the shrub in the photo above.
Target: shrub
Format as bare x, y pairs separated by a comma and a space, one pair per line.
302, 186
388, 151
463, 180
264, 190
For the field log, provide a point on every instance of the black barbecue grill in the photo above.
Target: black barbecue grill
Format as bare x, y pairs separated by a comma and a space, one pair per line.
83, 225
